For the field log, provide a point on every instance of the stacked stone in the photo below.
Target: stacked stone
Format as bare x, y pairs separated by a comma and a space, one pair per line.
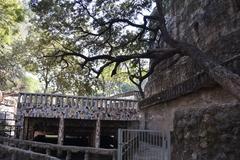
211, 133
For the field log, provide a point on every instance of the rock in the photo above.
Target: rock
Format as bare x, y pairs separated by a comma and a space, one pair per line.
187, 135
211, 138
203, 133
206, 118
221, 156
194, 156
203, 144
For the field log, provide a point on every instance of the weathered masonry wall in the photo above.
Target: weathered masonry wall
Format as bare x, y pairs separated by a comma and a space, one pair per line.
75, 132
161, 116
8, 108
71, 120
212, 25
70, 107
207, 133
182, 98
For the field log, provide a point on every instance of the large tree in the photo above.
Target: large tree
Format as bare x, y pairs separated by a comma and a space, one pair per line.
119, 33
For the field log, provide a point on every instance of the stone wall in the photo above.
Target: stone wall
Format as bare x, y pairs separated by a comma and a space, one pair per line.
211, 133
75, 107
8, 109
186, 78
182, 98
212, 25
159, 117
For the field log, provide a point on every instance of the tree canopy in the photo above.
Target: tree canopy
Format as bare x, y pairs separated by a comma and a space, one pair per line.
56, 75
12, 14
95, 28
120, 33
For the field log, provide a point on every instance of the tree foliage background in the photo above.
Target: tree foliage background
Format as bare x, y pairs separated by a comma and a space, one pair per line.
98, 27
12, 13
31, 54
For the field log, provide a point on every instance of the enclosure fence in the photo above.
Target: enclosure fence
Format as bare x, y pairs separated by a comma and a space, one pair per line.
143, 145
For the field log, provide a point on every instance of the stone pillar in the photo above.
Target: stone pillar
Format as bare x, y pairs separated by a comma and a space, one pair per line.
61, 130
86, 156
19, 120
143, 120
1, 96
24, 129
97, 133
21, 133
69, 155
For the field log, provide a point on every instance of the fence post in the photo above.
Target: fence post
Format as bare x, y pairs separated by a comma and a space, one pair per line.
162, 145
48, 151
13, 156
119, 151
61, 130
86, 156
97, 133
69, 155
60, 133
114, 156
169, 145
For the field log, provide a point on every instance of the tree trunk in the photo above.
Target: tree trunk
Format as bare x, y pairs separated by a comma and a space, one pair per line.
224, 77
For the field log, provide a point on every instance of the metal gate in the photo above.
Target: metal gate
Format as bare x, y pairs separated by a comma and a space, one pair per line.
143, 145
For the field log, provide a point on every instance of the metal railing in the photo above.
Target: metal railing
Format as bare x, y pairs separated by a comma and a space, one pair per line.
143, 145
49, 148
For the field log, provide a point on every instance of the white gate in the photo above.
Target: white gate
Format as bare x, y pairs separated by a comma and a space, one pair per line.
143, 145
